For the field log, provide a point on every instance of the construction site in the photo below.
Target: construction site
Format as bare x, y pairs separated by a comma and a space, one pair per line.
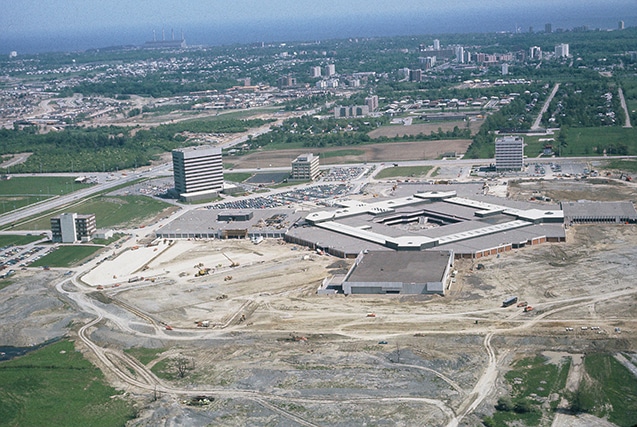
265, 348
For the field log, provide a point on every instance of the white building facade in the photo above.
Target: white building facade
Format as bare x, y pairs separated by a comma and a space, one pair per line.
509, 153
197, 171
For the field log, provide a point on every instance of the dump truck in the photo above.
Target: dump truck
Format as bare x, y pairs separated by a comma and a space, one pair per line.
509, 301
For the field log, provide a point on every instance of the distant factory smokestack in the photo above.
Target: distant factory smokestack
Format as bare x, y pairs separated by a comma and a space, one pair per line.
163, 35
154, 36
172, 34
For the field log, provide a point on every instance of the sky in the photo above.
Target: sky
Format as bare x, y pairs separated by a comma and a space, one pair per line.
118, 20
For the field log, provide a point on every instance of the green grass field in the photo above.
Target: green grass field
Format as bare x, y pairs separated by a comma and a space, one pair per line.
608, 390
66, 256
23, 191
593, 141
529, 377
236, 176
144, 355
403, 171
623, 165
110, 211
17, 240
56, 386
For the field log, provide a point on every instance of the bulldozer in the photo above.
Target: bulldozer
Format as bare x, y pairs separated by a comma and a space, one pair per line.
202, 272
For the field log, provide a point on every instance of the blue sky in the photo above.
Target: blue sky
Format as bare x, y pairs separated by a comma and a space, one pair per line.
69, 22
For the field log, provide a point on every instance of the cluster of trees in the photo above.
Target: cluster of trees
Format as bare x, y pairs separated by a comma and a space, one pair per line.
156, 85
77, 149
584, 104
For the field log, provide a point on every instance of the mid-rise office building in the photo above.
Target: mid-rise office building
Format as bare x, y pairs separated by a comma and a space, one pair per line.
428, 61
330, 70
286, 81
459, 54
315, 72
561, 50
350, 111
415, 75
548, 28
372, 103
505, 69
535, 52
305, 167
198, 171
436, 44
72, 227
509, 153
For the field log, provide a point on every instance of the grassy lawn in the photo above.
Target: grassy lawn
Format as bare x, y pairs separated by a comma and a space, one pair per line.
623, 165
66, 256
144, 355
17, 240
533, 147
164, 369
4, 283
531, 379
403, 171
593, 141
56, 386
110, 211
608, 390
236, 176
23, 191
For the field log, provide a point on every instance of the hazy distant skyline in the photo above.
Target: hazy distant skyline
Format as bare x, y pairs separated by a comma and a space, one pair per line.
124, 21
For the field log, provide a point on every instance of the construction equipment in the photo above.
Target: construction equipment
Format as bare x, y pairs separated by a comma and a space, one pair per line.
528, 308
232, 263
522, 304
509, 301
202, 272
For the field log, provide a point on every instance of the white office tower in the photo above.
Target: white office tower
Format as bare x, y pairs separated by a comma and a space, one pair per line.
460, 54
505, 69
561, 50
305, 167
330, 70
509, 153
198, 171
315, 72
436, 44
535, 52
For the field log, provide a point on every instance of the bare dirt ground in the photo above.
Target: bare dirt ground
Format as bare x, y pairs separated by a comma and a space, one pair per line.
424, 128
434, 354
385, 152
276, 353
600, 189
